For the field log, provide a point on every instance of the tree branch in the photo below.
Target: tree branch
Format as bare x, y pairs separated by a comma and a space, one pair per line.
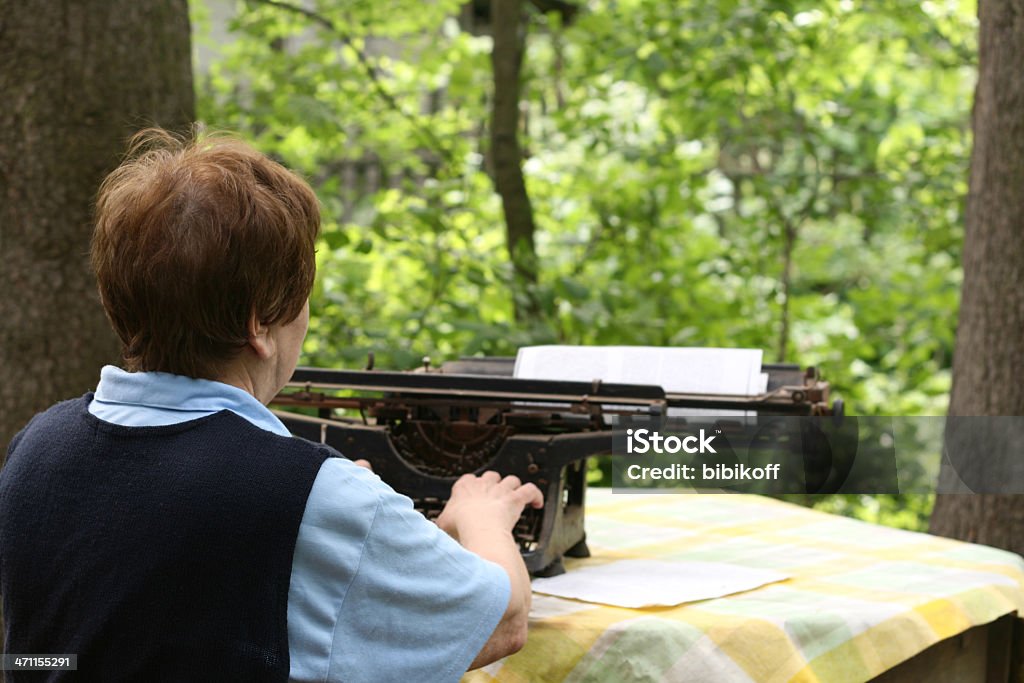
376, 83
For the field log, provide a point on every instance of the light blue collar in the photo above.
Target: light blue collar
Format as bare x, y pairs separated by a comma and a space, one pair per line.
146, 399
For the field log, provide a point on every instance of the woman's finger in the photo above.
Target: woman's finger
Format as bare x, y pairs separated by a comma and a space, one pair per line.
511, 482
530, 495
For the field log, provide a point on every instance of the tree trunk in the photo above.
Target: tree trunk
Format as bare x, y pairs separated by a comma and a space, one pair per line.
506, 57
988, 364
77, 79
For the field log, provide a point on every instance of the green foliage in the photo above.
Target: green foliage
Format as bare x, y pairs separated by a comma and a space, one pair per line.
679, 154
722, 125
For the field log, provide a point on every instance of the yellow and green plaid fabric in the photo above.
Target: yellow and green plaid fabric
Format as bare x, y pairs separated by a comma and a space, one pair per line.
861, 598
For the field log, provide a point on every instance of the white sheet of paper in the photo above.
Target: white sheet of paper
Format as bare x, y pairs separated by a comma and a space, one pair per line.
654, 583
676, 369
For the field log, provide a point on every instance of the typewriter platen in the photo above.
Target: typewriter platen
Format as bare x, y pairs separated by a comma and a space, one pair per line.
422, 430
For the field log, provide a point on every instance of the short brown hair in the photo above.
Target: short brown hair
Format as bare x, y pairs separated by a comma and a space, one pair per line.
192, 238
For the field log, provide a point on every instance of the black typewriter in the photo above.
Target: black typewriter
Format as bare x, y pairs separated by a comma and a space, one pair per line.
421, 430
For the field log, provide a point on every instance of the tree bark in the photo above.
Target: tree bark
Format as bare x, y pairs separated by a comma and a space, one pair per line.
78, 78
988, 363
509, 35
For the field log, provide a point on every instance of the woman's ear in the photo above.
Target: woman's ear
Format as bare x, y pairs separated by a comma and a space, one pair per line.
260, 340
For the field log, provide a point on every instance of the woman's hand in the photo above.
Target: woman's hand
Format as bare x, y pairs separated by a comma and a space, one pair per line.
487, 504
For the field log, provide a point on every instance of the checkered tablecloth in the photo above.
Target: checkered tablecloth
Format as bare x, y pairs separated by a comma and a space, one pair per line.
862, 598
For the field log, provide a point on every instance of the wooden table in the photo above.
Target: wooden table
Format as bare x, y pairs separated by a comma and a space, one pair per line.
862, 602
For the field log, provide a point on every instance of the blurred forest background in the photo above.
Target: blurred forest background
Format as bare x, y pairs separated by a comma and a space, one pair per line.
776, 174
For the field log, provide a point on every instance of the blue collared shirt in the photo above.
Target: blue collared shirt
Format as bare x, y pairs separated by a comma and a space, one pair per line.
377, 592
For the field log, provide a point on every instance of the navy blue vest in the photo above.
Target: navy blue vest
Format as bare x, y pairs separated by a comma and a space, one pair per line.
153, 553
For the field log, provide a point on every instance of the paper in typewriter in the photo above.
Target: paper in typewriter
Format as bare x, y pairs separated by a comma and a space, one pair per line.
675, 369
654, 583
